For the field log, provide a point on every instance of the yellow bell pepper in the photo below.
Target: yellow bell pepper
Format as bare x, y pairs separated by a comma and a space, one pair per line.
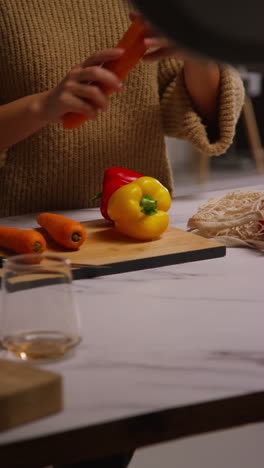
139, 209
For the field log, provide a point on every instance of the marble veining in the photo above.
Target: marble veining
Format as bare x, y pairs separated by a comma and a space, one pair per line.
160, 338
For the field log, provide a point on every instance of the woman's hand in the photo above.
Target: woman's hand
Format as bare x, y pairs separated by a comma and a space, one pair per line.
80, 90
164, 48
201, 75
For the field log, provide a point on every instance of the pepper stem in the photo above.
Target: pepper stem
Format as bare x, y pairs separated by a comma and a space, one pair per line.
149, 205
97, 196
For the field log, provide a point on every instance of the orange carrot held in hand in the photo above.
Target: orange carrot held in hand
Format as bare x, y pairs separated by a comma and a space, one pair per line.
134, 49
65, 231
22, 241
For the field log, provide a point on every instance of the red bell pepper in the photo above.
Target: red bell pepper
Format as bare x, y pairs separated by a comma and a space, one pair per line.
114, 178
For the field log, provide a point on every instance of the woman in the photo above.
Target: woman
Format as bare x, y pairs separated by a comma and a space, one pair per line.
44, 73
50, 64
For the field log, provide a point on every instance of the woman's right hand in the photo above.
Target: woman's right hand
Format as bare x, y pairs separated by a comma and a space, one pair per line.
80, 90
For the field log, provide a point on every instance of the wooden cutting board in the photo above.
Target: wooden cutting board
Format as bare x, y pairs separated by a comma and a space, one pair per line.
107, 252
27, 393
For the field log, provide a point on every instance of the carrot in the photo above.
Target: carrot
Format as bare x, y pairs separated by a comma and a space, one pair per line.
22, 241
134, 49
65, 231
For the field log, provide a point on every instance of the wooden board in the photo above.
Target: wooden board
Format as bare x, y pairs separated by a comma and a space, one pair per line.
27, 393
107, 252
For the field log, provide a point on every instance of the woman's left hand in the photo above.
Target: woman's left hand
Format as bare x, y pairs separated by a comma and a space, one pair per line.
164, 48
201, 75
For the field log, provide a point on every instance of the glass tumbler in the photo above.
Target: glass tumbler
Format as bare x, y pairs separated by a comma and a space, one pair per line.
39, 319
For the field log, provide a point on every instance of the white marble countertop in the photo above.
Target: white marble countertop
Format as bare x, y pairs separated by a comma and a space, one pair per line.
160, 338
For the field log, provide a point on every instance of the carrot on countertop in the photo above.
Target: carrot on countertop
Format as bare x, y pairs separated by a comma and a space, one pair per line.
64, 231
22, 241
134, 49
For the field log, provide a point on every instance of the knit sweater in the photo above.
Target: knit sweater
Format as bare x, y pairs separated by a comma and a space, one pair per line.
58, 169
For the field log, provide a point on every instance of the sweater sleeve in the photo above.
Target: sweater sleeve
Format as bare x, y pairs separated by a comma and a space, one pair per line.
2, 153
179, 117
2, 158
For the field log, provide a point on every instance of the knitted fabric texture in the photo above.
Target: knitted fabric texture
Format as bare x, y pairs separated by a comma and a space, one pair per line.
58, 169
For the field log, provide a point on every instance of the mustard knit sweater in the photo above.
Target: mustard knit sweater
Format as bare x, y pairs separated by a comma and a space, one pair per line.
40, 40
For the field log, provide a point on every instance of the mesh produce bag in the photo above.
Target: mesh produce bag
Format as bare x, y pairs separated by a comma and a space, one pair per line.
234, 219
